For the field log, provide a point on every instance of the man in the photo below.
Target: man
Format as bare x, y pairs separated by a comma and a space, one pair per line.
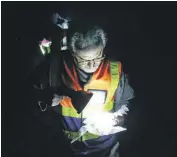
93, 131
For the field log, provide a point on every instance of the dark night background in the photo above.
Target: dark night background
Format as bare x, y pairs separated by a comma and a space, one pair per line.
142, 35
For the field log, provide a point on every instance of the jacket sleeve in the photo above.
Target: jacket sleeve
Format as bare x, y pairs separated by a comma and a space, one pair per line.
39, 71
124, 92
39, 79
123, 95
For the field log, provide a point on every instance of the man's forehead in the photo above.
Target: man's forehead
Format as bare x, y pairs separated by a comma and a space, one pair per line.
92, 53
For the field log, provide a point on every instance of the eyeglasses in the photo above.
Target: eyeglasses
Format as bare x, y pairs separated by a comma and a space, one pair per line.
82, 61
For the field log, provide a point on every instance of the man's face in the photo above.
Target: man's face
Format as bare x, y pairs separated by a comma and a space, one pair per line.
89, 61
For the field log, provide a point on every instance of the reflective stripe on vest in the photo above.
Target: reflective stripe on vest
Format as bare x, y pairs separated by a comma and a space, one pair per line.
87, 136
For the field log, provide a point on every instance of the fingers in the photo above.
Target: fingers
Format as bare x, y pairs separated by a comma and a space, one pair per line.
45, 43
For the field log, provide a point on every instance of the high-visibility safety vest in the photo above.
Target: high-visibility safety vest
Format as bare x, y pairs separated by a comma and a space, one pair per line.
105, 79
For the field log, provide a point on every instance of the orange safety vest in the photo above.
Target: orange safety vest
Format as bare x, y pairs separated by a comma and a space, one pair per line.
106, 78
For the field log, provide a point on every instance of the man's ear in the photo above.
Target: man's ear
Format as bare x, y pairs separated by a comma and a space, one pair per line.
74, 58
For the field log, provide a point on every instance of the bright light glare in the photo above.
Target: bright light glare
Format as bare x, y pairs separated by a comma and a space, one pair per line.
99, 121
103, 122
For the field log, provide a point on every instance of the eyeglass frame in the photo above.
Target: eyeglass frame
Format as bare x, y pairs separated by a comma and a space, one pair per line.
75, 55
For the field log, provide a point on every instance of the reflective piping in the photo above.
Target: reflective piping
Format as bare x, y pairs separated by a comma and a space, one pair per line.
114, 69
71, 112
87, 136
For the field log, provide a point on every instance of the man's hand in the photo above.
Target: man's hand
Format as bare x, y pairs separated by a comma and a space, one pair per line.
103, 123
44, 46
60, 21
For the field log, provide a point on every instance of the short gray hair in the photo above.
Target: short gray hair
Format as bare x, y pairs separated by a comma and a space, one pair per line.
93, 38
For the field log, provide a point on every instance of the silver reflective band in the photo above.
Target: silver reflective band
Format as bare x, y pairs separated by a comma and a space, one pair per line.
114, 151
57, 99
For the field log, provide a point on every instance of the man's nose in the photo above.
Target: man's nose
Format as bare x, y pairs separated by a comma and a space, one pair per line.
91, 64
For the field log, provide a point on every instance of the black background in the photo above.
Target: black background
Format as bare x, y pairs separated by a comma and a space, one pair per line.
142, 35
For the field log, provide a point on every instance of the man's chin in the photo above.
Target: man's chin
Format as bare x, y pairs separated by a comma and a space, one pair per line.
89, 70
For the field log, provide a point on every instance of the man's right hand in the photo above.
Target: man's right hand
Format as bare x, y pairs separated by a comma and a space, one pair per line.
44, 46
